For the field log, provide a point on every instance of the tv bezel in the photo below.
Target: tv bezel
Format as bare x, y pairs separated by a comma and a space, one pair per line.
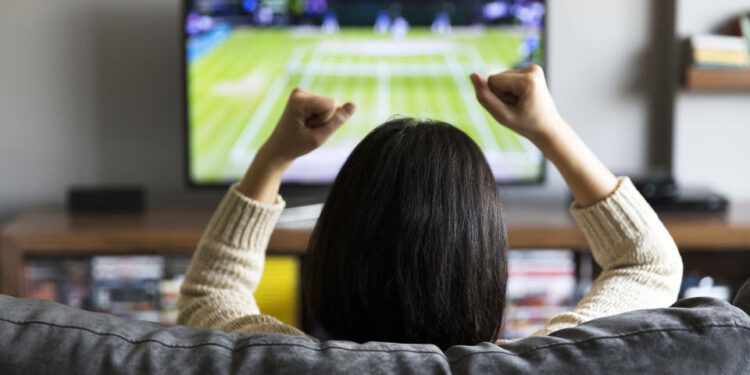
295, 188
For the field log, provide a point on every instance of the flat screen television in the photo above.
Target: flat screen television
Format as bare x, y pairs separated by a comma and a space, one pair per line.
410, 58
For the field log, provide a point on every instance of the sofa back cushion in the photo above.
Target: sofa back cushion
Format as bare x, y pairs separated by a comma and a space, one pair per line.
698, 335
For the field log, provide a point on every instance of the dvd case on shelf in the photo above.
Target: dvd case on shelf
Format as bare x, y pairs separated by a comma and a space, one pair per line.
541, 284
64, 280
175, 268
127, 286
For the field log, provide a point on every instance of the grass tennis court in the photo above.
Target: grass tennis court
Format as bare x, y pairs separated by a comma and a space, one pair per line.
237, 91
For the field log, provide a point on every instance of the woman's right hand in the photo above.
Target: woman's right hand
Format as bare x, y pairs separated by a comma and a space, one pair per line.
520, 100
307, 122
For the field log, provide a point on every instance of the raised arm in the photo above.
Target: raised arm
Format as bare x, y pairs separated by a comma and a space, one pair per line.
228, 263
641, 267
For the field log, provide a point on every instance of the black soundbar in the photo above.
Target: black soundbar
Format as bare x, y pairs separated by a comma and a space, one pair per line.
664, 195
120, 199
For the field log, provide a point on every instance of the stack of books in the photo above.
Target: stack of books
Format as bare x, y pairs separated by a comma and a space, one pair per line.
720, 52
541, 284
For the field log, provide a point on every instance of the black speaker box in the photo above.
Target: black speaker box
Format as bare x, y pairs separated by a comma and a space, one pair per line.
665, 195
119, 199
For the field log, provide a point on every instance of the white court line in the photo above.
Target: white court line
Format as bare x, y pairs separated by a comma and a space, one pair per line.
239, 152
467, 94
310, 72
474, 56
384, 91
239, 149
347, 69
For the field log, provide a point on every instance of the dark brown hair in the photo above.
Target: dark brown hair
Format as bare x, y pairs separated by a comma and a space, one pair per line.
410, 245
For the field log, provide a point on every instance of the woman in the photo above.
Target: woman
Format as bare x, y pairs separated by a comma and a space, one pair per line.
410, 245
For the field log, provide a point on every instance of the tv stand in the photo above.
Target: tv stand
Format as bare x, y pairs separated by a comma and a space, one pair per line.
709, 242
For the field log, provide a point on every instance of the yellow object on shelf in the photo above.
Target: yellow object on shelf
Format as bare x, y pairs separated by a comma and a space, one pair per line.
731, 58
278, 294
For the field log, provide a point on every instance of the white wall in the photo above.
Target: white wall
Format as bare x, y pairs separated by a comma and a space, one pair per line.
599, 54
48, 128
90, 93
712, 131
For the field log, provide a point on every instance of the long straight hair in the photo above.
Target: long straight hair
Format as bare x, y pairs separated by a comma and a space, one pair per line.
410, 245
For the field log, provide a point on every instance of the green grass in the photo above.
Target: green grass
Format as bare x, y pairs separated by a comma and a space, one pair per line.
228, 84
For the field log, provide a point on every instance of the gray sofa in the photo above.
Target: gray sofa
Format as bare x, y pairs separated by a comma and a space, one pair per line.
694, 336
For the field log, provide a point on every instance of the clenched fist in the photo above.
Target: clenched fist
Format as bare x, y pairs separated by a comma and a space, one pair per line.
520, 100
307, 122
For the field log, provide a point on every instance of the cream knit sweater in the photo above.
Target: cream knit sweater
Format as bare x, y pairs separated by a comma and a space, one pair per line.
641, 267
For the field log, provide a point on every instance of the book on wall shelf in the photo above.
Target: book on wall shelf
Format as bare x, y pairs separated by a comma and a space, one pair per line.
720, 62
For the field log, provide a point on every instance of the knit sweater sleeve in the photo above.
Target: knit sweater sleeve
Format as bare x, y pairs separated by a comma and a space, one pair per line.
226, 269
641, 266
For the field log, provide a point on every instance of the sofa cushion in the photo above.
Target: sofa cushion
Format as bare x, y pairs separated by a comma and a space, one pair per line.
742, 299
698, 335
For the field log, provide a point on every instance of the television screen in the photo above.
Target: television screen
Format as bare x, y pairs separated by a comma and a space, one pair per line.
408, 58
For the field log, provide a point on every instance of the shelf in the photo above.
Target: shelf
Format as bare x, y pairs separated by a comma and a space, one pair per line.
717, 80
529, 225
